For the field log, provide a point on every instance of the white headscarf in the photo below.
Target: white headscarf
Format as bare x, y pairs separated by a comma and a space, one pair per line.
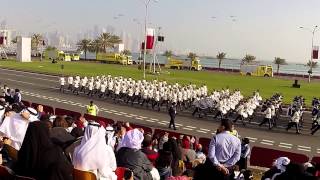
93, 154
132, 139
2, 111
281, 163
14, 127
33, 114
110, 135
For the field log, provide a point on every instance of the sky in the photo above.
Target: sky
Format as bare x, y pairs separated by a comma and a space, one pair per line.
263, 28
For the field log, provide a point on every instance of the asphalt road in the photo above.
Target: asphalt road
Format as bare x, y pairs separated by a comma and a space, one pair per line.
44, 89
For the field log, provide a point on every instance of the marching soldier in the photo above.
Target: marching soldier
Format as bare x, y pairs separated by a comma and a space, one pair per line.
268, 116
62, 83
294, 121
70, 82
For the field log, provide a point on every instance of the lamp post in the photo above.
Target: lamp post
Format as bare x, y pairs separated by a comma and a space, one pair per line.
312, 31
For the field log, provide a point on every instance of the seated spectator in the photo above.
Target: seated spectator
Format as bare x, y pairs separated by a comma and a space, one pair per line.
128, 175
130, 156
188, 155
40, 111
15, 125
39, 158
199, 154
294, 172
245, 154
81, 122
163, 163
177, 155
59, 134
163, 139
147, 148
77, 133
279, 166
93, 154
111, 139
182, 175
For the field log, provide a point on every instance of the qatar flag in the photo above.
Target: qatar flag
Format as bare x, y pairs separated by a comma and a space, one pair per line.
315, 52
150, 38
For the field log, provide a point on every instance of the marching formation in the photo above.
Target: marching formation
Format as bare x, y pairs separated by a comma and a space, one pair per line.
155, 93
222, 104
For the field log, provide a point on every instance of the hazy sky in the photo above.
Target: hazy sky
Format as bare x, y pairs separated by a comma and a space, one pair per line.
264, 28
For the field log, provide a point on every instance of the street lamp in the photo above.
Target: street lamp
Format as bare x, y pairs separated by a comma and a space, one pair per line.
312, 31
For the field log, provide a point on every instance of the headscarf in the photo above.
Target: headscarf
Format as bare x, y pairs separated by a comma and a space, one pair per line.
39, 157
33, 114
185, 142
132, 139
94, 154
14, 127
281, 163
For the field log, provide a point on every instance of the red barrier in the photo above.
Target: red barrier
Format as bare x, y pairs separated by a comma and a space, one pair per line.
46, 109
205, 142
147, 130
62, 112
98, 118
26, 103
161, 132
264, 157
316, 159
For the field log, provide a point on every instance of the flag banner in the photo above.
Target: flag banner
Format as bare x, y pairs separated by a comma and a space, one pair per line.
150, 38
315, 52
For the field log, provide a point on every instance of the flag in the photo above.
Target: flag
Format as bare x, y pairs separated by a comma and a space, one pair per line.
315, 52
150, 38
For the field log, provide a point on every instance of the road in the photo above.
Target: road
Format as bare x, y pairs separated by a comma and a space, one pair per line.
44, 89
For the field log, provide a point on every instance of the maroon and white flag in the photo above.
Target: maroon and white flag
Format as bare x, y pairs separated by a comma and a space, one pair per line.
150, 38
315, 52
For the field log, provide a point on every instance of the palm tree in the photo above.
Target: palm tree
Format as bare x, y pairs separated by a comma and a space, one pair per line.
95, 46
168, 53
109, 41
221, 56
278, 61
192, 55
126, 52
248, 58
314, 64
84, 45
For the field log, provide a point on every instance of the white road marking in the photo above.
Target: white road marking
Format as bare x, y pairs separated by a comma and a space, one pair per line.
19, 81
202, 131
149, 120
138, 118
162, 123
269, 141
288, 147
179, 124
154, 119
304, 147
132, 115
285, 144
270, 144
38, 74
128, 116
301, 149
189, 129
252, 138
31, 77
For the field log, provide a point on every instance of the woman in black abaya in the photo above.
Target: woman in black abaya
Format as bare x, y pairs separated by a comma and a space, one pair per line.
39, 158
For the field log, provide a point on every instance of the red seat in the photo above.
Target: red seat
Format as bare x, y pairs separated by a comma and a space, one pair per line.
205, 142
264, 157
46, 109
62, 112
120, 172
26, 103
